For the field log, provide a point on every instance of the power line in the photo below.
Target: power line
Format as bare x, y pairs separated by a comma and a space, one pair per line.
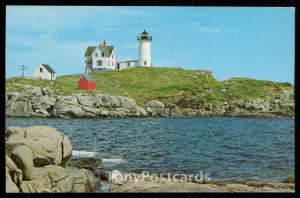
23, 68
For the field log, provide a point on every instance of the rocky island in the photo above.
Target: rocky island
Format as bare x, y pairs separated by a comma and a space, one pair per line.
174, 92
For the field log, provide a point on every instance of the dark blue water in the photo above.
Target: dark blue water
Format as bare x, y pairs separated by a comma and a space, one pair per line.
229, 149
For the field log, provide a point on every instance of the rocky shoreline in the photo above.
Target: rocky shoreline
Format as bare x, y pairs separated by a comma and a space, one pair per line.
31, 101
39, 159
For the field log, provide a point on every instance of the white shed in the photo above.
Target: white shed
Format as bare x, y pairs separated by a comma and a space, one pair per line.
127, 64
45, 72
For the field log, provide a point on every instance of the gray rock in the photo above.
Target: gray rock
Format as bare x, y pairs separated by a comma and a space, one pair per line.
116, 114
14, 131
10, 186
155, 103
127, 103
81, 181
48, 145
86, 100
47, 100
139, 111
90, 112
88, 163
104, 113
77, 111
71, 100
22, 157
42, 111
32, 90
50, 178
155, 108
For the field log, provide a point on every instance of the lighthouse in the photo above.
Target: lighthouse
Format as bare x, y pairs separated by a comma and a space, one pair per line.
145, 49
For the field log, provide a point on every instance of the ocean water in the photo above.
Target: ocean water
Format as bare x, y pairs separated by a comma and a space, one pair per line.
228, 149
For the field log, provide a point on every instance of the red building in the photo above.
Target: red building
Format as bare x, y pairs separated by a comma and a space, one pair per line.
86, 82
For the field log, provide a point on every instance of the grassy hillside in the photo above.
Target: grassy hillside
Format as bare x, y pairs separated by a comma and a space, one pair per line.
153, 83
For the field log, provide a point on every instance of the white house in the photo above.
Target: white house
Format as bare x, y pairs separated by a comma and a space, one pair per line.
100, 58
45, 72
103, 57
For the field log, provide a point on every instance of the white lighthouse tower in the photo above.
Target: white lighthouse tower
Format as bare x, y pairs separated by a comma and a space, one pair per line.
145, 49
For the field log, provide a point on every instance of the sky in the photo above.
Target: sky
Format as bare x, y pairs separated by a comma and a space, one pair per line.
231, 42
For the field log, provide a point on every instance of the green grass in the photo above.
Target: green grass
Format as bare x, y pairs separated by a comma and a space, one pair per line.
144, 84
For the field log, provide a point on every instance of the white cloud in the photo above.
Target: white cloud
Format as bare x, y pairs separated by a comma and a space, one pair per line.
205, 29
44, 49
33, 33
130, 45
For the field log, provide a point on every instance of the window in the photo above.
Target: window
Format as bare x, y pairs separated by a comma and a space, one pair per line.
128, 64
145, 62
102, 54
41, 70
108, 63
99, 63
96, 54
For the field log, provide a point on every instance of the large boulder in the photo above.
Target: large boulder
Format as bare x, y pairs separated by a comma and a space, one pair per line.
11, 187
62, 109
70, 100
47, 101
36, 159
155, 103
139, 112
54, 178
76, 111
50, 178
22, 156
13, 175
20, 107
41, 112
155, 108
127, 103
86, 99
48, 145
90, 111
105, 100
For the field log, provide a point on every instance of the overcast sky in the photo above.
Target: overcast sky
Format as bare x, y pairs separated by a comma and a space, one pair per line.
231, 42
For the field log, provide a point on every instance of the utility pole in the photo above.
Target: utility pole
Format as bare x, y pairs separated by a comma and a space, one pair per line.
23, 68
86, 67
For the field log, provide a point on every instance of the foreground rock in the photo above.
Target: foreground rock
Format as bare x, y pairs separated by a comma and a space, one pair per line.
32, 101
85, 162
148, 186
41, 144
165, 185
36, 159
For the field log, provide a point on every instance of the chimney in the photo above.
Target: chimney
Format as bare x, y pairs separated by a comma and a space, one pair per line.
104, 43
